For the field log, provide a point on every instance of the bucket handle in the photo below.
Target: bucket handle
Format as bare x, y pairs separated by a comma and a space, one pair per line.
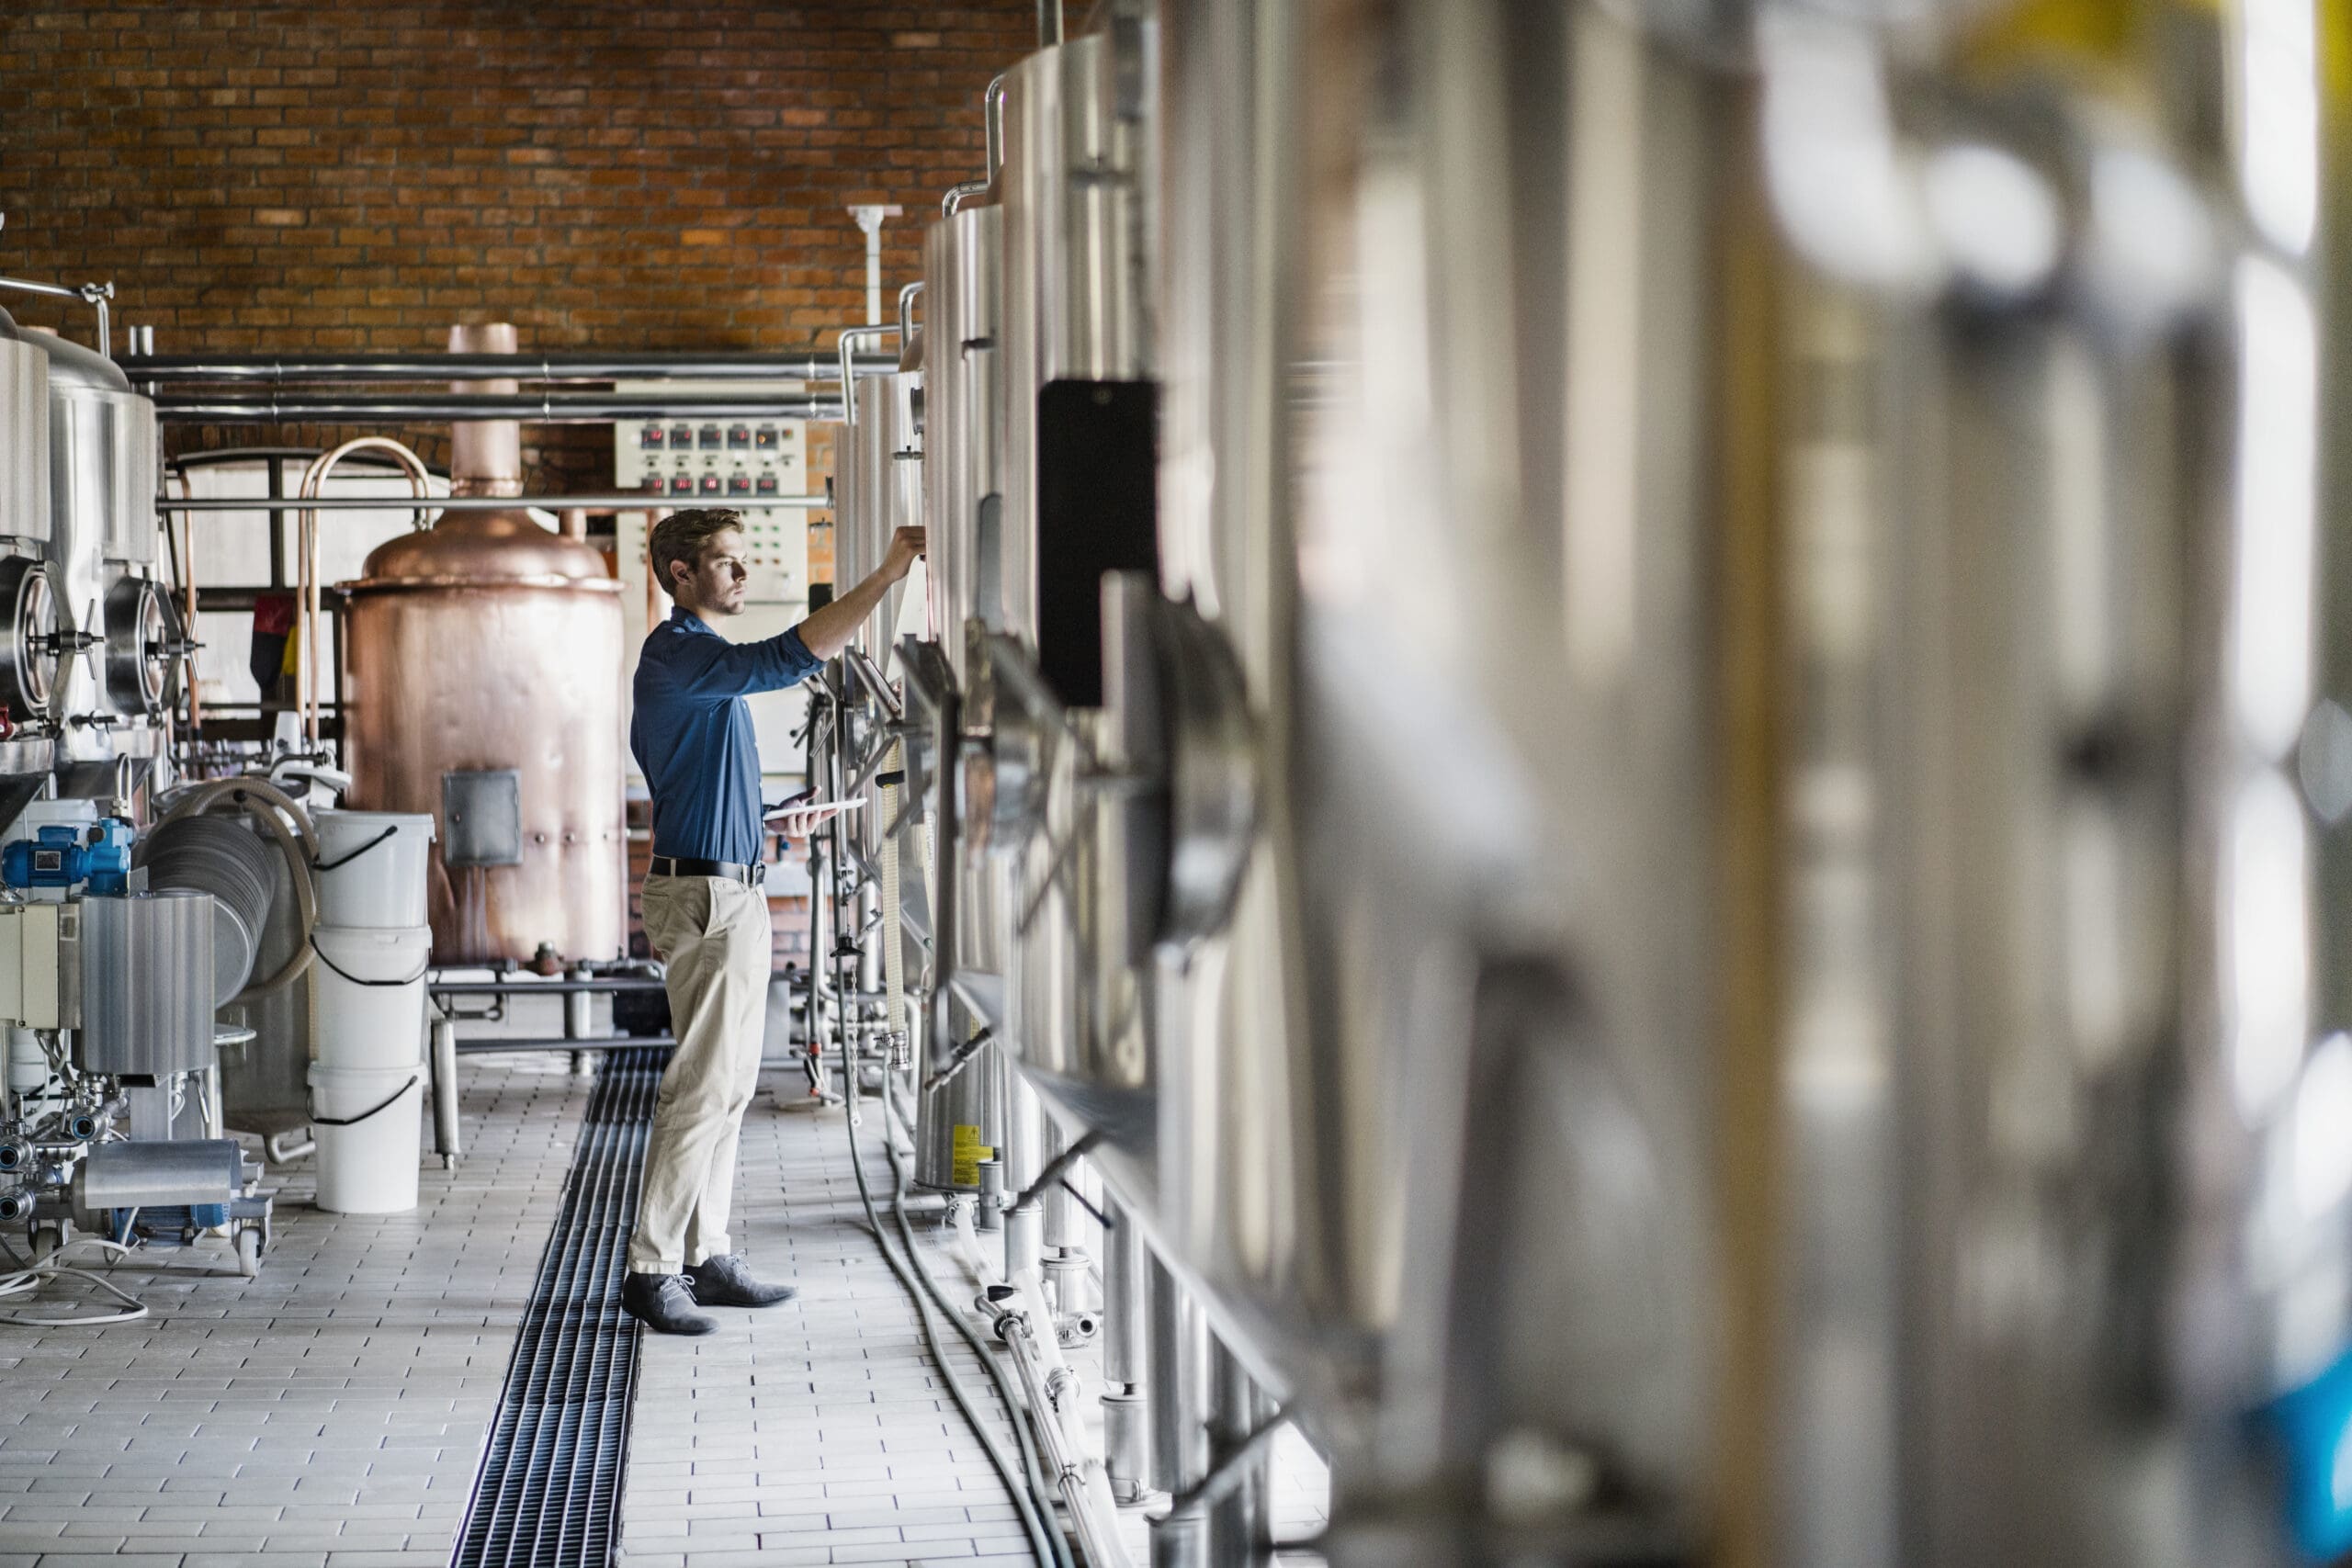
319, 1120
347, 859
356, 980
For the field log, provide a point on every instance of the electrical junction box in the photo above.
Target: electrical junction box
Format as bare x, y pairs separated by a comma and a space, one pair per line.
37, 942
721, 462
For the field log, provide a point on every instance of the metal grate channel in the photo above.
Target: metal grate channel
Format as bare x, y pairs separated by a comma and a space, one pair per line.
549, 1492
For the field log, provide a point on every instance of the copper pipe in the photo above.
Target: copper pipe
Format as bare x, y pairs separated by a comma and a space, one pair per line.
485, 456
314, 480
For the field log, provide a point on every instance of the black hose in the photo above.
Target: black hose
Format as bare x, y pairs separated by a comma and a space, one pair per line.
1013, 1399
1041, 1541
1046, 1544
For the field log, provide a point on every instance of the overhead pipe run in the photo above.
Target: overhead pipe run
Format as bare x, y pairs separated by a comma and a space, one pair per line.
294, 369
532, 408
622, 501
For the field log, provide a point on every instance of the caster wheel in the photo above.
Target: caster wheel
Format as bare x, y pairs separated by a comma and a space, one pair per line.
46, 1242
249, 1253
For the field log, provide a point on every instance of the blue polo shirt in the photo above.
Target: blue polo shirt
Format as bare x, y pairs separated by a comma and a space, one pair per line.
693, 738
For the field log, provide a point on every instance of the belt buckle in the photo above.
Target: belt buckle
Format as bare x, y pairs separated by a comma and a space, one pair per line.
757, 875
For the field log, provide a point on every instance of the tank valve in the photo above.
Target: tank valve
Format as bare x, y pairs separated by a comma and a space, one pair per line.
15, 1153
15, 1204
82, 1123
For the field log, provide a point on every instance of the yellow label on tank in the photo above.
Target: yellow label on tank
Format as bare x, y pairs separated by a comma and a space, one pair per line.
965, 1153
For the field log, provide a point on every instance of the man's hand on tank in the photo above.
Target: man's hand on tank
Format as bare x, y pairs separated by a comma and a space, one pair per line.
907, 545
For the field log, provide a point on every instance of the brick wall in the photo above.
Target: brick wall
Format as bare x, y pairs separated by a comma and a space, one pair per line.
358, 175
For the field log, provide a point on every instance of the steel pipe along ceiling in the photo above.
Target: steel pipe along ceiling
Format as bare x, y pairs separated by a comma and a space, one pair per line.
535, 408
300, 369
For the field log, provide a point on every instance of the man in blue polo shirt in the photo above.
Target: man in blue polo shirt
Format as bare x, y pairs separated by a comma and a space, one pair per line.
705, 912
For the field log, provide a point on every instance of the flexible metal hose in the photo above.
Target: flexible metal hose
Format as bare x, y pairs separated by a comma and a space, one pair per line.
281, 816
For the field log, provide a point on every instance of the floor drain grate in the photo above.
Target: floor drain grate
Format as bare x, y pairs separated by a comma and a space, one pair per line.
549, 1491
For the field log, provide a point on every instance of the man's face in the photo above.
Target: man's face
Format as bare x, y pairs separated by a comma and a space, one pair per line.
722, 575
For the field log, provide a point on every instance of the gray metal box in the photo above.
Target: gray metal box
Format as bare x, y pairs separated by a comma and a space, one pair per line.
482, 818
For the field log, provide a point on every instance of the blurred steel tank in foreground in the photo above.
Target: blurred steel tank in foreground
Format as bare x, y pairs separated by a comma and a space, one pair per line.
484, 686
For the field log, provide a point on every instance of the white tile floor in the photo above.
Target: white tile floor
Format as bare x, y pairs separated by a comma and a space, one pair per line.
332, 1412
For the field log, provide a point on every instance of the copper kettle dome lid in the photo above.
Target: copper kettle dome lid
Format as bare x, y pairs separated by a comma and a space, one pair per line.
488, 548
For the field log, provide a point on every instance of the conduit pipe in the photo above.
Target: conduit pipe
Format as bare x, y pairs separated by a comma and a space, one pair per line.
623, 500
529, 369
531, 408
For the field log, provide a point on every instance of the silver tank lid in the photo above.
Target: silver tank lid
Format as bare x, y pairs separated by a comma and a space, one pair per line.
72, 366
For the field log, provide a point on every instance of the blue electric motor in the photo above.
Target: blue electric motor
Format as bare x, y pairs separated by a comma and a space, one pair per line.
61, 855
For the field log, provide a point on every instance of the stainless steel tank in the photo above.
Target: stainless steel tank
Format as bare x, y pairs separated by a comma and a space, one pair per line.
147, 975
103, 446
1076, 1014
1425, 1122
1073, 275
24, 436
27, 604
885, 447
963, 505
483, 682
963, 417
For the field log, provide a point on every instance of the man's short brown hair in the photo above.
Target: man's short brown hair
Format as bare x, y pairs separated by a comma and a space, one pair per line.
681, 537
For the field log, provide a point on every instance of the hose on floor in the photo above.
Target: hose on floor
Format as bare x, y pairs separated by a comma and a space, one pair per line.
29, 1277
1045, 1539
1006, 1389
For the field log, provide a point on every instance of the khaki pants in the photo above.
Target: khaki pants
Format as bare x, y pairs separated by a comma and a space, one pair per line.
713, 933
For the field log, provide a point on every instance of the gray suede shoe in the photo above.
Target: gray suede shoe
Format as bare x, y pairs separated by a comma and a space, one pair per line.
726, 1282
665, 1303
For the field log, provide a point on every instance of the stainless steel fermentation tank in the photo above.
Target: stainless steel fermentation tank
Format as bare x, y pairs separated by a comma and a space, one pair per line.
483, 687
27, 604
96, 644
1715, 892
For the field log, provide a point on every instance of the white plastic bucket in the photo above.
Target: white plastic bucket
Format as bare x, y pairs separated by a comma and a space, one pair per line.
371, 995
370, 869
367, 1164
